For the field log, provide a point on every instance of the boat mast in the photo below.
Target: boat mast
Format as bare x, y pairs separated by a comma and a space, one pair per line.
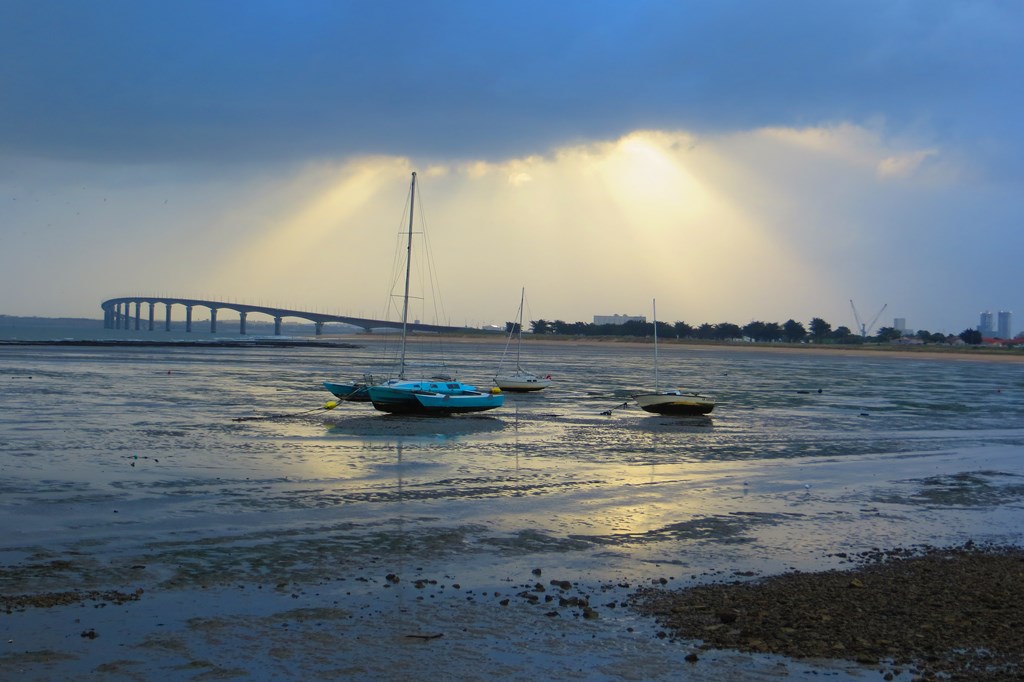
522, 298
408, 266
654, 306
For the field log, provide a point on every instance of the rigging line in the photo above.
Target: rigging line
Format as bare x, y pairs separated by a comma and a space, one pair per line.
400, 253
431, 267
430, 279
508, 340
527, 311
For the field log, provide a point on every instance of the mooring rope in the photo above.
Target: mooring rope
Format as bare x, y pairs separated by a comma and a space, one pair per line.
329, 405
617, 407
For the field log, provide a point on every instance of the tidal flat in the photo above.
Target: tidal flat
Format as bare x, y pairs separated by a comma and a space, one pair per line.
195, 513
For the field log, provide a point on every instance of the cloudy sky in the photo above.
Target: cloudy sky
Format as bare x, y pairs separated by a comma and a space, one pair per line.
737, 161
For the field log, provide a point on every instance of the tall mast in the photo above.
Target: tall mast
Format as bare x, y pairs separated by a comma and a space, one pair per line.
408, 266
522, 299
654, 306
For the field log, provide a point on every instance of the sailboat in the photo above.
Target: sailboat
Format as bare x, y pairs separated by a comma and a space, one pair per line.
433, 396
519, 380
672, 401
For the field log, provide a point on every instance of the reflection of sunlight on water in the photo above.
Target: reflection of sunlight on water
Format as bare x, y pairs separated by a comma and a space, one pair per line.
391, 426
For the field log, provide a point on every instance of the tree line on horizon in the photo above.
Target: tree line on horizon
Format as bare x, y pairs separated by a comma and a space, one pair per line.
791, 331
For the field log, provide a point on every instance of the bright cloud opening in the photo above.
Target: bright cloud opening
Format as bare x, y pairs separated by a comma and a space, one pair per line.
765, 224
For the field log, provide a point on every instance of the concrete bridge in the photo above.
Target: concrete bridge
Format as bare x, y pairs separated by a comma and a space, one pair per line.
117, 314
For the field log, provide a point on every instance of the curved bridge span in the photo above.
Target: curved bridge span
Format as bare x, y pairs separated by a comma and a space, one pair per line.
117, 314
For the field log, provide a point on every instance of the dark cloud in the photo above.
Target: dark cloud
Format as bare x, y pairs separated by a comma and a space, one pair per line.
208, 80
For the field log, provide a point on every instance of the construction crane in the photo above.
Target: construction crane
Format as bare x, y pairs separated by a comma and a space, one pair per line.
866, 329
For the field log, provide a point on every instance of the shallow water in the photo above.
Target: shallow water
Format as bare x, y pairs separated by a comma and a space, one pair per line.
263, 545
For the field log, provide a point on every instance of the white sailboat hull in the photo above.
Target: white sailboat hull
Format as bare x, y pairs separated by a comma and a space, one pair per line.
521, 382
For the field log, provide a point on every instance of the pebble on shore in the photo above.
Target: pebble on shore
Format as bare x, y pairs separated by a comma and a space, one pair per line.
956, 612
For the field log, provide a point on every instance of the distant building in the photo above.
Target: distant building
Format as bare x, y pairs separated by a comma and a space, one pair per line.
985, 324
1005, 321
900, 324
618, 319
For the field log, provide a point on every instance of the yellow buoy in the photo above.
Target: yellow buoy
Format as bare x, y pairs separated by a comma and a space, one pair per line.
330, 404
495, 390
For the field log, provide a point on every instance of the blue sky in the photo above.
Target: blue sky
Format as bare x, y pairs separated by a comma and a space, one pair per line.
735, 160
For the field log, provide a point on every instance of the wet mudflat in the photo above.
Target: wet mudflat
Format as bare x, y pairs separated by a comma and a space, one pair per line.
349, 544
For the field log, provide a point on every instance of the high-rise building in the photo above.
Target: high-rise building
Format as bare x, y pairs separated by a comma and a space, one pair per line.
900, 324
1005, 320
985, 324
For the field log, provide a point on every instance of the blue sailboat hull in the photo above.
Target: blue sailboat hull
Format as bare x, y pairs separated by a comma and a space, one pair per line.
440, 403
432, 397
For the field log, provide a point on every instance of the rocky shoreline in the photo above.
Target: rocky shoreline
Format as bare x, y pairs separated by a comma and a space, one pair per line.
909, 614
933, 613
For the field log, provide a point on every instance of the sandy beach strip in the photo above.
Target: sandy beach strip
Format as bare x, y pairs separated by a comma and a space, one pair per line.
903, 352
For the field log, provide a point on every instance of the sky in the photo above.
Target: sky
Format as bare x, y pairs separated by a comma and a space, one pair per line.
737, 161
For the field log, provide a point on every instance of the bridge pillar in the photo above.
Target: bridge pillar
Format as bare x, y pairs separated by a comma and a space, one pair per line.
277, 326
213, 320
117, 316
319, 328
167, 319
188, 318
152, 307
241, 323
138, 314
